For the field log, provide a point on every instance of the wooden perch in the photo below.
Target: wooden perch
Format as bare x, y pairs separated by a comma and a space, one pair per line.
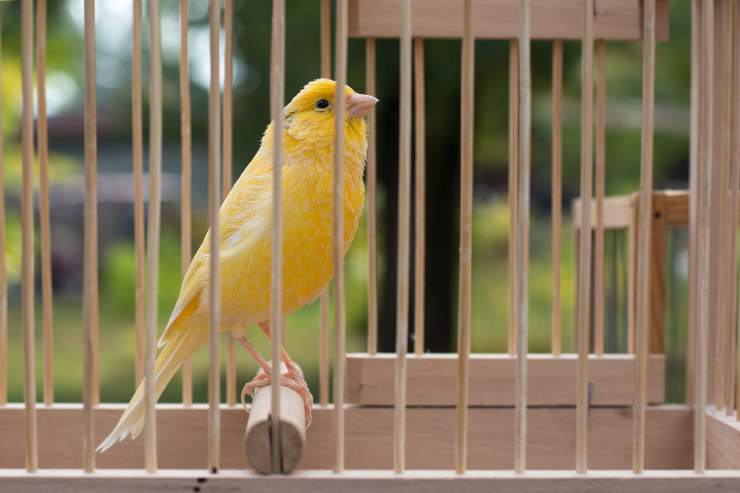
259, 429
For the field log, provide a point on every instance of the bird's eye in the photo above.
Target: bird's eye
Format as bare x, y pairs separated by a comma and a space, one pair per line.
322, 104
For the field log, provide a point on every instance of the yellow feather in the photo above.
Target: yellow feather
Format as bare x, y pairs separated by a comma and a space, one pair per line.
245, 237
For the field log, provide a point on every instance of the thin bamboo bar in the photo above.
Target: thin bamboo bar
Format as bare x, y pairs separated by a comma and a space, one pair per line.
736, 184
643, 236
584, 253
44, 219
185, 179
226, 164
693, 174
155, 204
467, 108
137, 136
557, 193
372, 212
214, 270
27, 302
522, 239
724, 73
703, 222
277, 95
324, 299
731, 226
600, 182
513, 189
419, 196
403, 247
340, 336
3, 269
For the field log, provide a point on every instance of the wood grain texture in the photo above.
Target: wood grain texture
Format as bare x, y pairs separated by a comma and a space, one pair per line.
550, 19
182, 438
372, 481
723, 440
432, 379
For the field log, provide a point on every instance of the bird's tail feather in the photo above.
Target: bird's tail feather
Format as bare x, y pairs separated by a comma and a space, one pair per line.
184, 343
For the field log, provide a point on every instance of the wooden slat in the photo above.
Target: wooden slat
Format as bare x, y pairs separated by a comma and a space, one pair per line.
42, 140
419, 195
617, 212
403, 248
658, 275
557, 194
213, 459
185, 179
551, 19
705, 184
340, 335
432, 380
584, 249
646, 260
371, 481
372, 229
522, 237
736, 188
227, 164
3, 268
27, 237
182, 439
277, 98
723, 440
153, 234
137, 139
467, 109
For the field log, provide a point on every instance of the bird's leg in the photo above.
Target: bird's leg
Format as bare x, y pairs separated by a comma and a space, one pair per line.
263, 376
294, 378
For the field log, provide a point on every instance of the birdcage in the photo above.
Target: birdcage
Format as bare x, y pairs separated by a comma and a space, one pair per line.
511, 422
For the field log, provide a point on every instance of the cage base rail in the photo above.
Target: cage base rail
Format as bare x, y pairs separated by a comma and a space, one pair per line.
113, 481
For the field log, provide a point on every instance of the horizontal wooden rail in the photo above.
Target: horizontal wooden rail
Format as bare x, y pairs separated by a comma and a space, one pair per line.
723, 440
432, 379
550, 19
369, 435
372, 481
619, 210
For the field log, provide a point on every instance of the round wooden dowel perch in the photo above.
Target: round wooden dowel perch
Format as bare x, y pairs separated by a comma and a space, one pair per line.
259, 431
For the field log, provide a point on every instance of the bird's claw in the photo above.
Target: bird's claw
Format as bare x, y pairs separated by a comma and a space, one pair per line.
291, 379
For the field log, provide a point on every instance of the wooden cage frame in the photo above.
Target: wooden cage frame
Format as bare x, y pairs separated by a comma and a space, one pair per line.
624, 439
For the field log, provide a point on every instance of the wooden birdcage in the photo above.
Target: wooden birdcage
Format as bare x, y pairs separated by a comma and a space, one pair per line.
475, 422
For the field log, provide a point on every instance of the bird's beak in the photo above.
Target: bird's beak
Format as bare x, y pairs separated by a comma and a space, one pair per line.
359, 105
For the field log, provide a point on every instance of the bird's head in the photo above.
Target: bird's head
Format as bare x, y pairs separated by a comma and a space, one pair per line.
309, 117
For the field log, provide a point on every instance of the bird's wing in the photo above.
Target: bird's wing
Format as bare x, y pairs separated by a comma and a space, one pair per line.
246, 209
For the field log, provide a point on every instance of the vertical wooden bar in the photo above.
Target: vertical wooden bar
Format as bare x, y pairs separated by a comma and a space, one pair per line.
340, 67
185, 179
736, 185
693, 177
27, 302
419, 196
734, 158
557, 193
277, 95
214, 271
372, 228
600, 180
513, 187
137, 137
584, 253
324, 299
44, 215
522, 240
467, 108
153, 232
3, 270
403, 247
631, 273
227, 166
703, 224
643, 237
729, 228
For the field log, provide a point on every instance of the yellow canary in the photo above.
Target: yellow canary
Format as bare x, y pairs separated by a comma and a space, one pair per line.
245, 233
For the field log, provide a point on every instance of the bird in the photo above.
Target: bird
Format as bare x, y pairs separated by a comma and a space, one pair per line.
245, 240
